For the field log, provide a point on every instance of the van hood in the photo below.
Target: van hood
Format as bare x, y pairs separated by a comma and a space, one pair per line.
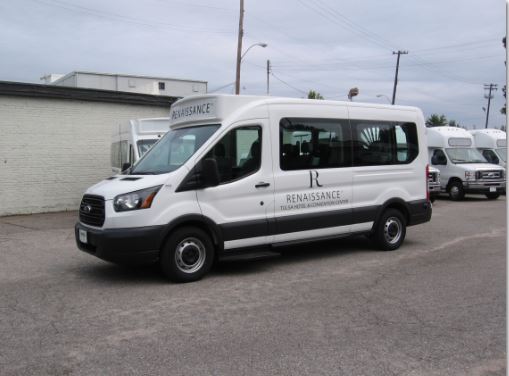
120, 184
479, 166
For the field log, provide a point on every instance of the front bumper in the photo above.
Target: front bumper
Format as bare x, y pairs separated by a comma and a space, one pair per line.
484, 187
126, 245
434, 188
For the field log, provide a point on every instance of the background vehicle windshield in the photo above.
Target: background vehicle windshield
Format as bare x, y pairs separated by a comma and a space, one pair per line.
502, 154
144, 146
173, 150
465, 155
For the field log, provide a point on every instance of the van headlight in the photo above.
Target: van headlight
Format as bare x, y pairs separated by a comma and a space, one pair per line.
470, 175
141, 199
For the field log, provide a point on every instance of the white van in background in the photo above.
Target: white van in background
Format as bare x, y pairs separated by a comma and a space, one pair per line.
131, 140
462, 167
434, 188
242, 173
492, 143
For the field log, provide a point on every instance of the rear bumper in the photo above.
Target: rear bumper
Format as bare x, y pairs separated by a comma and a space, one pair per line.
129, 245
419, 212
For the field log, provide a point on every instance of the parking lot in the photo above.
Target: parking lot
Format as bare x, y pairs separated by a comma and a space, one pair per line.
436, 306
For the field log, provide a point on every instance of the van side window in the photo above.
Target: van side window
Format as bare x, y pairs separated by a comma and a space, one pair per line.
238, 153
490, 156
438, 157
384, 143
314, 143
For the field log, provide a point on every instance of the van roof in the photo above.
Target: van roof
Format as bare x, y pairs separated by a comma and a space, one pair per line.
440, 136
489, 138
217, 107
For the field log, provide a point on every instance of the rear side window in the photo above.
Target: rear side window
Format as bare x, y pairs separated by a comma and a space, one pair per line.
314, 143
383, 143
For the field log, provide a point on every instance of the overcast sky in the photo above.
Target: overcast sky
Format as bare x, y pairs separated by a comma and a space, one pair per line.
455, 46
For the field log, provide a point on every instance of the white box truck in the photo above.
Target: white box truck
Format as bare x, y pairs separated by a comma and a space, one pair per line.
492, 143
462, 167
237, 173
131, 140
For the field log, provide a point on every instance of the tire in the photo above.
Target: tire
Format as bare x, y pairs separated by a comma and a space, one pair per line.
432, 198
187, 255
492, 196
456, 191
390, 230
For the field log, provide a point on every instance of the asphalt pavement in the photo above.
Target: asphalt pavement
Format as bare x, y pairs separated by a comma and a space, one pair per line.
436, 306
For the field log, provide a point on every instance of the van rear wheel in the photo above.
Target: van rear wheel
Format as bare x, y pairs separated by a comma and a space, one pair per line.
390, 230
187, 255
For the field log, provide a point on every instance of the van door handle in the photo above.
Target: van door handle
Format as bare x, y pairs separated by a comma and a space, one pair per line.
262, 185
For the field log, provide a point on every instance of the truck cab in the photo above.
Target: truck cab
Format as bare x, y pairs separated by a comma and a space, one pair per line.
462, 167
131, 140
492, 143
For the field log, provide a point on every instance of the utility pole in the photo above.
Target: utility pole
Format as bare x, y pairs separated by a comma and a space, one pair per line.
399, 53
239, 47
489, 87
268, 75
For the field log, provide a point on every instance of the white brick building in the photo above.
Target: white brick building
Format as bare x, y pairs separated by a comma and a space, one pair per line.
55, 141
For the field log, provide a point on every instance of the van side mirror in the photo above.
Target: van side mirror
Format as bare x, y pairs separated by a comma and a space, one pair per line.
125, 166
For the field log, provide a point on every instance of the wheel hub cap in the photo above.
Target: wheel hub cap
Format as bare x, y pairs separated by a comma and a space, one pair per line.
190, 255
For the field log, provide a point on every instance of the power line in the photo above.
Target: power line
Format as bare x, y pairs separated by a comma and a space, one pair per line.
287, 84
122, 18
222, 87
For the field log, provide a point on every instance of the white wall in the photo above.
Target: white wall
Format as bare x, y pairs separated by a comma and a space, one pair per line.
143, 85
51, 150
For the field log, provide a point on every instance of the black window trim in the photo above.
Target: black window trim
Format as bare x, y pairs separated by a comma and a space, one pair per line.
258, 126
350, 128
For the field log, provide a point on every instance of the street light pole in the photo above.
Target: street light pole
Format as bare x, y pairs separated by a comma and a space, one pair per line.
237, 80
239, 47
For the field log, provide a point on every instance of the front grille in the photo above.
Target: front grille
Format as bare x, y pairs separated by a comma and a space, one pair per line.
489, 175
432, 177
92, 210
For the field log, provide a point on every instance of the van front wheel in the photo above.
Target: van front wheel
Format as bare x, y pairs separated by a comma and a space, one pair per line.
391, 230
456, 191
187, 255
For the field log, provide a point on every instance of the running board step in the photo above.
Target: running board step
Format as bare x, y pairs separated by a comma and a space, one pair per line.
248, 256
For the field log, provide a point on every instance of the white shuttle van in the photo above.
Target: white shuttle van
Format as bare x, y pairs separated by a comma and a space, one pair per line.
462, 167
492, 143
130, 141
239, 173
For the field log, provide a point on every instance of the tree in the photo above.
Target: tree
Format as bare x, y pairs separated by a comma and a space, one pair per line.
314, 95
436, 120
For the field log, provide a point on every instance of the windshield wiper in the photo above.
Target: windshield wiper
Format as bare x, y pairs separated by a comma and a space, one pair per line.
143, 173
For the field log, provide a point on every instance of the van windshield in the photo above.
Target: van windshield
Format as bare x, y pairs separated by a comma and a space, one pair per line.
173, 150
502, 153
465, 155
